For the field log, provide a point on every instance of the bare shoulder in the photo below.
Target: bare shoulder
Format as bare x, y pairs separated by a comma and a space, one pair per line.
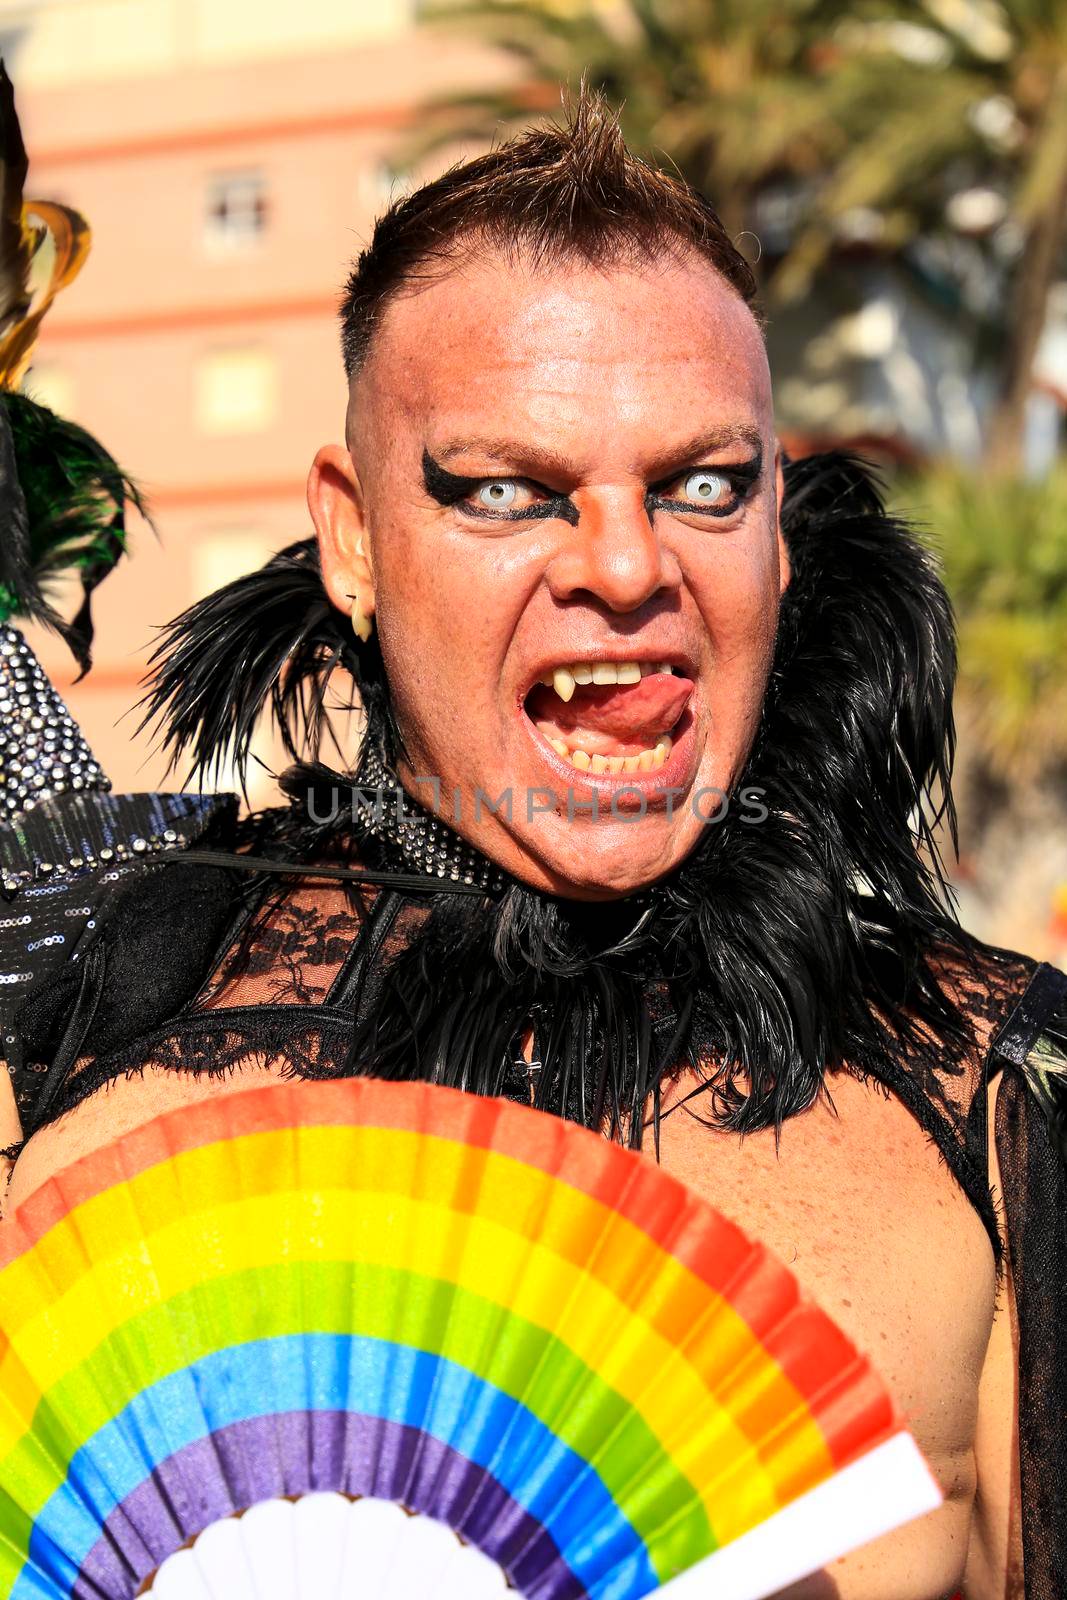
857, 1200
994, 1558
121, 1105
879, 1228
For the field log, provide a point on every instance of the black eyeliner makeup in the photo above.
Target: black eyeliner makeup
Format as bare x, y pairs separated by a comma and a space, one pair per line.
745, 472
448, 488
444, 487
740, 477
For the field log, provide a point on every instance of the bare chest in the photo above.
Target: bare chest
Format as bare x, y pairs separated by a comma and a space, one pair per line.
862, 1209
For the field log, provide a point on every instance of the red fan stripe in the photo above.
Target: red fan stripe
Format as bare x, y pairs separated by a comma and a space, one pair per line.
661, 1206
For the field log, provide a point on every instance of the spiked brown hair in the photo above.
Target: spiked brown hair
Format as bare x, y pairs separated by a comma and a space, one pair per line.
556, 193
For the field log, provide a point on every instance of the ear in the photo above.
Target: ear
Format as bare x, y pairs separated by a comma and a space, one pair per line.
785, 566
335, 500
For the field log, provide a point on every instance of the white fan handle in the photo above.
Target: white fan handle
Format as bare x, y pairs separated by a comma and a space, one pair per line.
887, 1487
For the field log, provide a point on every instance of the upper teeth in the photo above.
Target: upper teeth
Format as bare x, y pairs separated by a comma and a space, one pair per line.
563, 679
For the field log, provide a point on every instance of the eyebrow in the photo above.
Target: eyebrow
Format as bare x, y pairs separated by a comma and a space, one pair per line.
537, 459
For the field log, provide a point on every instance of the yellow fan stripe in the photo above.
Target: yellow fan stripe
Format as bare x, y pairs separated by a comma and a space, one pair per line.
536, 1246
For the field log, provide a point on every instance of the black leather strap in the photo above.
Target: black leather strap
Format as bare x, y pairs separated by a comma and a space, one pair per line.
1044, 998
350, 991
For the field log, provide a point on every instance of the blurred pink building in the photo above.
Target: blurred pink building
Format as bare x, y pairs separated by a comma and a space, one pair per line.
230, 157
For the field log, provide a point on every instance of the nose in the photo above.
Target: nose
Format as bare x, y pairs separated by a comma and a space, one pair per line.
614, 553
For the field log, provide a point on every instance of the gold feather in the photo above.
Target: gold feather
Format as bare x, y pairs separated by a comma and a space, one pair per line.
43, 247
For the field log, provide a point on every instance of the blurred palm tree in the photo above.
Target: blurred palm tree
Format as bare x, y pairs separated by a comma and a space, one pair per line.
1003, 552
957, 109
727, 93
898, 111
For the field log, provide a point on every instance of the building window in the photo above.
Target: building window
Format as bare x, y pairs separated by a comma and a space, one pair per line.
236, 210
236, 390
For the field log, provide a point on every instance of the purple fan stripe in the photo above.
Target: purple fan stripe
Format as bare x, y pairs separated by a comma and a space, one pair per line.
298, 1452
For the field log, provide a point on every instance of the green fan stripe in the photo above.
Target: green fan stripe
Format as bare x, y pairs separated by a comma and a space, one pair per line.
508, 1352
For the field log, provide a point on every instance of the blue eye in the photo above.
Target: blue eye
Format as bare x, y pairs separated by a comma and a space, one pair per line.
707, 487
497, 494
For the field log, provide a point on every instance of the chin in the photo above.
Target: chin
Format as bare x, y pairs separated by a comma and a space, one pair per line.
596, 869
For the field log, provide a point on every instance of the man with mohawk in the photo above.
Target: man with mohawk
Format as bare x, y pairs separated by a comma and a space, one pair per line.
640, 828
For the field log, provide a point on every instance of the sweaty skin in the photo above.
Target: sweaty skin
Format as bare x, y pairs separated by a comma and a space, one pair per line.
608, 373
587, 388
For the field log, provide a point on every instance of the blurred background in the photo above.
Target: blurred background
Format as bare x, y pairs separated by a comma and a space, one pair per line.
897, 173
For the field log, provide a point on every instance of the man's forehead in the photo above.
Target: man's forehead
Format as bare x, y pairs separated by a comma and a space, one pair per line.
493, 335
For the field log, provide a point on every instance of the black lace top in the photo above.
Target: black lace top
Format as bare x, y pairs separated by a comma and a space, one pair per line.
195, 968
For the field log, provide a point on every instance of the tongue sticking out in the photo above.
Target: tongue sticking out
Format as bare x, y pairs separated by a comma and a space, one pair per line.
611, 718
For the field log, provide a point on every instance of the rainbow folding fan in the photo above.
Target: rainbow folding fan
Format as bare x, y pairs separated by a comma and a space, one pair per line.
388, 1340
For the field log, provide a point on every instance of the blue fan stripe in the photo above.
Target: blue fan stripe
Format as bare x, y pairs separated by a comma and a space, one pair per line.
333, 1372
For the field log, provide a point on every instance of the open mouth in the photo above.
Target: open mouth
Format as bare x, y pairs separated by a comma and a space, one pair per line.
610, 717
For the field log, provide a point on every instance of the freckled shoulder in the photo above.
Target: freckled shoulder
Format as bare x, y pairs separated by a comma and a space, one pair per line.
857, 1202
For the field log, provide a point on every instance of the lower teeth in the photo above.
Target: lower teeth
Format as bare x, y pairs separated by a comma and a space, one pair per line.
645, 761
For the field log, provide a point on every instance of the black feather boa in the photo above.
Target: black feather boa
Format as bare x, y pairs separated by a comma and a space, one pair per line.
774, 953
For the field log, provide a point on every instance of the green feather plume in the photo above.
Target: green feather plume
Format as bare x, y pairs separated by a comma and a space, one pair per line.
63, 505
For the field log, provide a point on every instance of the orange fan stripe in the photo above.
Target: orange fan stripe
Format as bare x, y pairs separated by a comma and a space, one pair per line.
624, 1195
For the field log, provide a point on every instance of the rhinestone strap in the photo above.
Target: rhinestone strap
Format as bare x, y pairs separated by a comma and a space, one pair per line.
42, 751
386, 812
